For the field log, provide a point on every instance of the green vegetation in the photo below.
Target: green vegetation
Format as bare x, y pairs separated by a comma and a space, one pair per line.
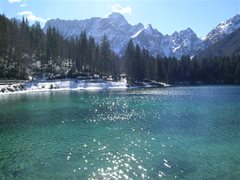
28, 51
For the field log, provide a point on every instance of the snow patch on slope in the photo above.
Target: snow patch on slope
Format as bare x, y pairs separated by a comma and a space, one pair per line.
119, 32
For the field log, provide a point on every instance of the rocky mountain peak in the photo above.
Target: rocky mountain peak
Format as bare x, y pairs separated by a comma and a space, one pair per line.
117, 17
220, 31
119, 32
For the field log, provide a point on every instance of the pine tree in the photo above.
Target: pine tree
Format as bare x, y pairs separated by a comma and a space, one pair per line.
37, 45
162, 75
129, 59
139, 65
91, 54
237, 73
105, 57
83, 46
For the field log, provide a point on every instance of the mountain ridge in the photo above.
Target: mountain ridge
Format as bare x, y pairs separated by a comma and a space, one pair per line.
228, 46
119, 32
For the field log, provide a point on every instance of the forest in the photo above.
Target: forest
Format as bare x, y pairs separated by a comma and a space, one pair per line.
28, 52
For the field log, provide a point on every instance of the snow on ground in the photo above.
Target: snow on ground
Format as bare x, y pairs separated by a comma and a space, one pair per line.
56, 85
75, 84
72, 84
137, 33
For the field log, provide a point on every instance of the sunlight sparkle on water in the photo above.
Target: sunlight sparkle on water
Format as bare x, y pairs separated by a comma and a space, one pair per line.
179, 132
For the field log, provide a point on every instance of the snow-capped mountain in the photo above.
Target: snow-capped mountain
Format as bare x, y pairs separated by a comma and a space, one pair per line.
149, 39
180, 43
119, 32
115, 26
228, 46
220, 31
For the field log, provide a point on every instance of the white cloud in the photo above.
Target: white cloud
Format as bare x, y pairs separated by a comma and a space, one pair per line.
15, 1
31, 17
25, 13
120, 9
24, 4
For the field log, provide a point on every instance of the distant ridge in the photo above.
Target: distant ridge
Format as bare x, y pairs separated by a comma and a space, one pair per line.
228, 46
119, 32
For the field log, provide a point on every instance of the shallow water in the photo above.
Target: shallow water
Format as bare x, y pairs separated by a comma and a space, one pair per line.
177, 132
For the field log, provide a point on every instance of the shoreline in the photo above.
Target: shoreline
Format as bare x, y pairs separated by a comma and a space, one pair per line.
72, 85
98, 86
61, 85
60, 89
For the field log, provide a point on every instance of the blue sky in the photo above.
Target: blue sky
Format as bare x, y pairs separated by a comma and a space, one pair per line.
164, 15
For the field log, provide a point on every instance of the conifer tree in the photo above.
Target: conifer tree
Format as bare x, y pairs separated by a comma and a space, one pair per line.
105, 57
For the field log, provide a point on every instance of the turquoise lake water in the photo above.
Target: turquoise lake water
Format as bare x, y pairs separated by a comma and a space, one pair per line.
176, 132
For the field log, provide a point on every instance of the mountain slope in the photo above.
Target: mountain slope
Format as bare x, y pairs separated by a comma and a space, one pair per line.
220, 31
150, 39
181, 43
119, 32
115, 27
228, 46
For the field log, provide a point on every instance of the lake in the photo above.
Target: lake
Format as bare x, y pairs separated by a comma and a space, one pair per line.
178, 132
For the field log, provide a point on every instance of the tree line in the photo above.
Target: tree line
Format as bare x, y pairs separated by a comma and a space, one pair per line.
29, 51
139, 65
